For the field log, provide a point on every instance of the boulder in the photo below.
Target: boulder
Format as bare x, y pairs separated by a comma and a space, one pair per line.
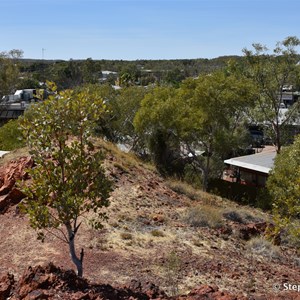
9, 174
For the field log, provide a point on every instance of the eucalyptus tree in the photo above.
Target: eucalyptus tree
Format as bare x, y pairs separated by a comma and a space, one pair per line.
156, 123
270, 72
68, 182
211, 118
205, 115
123, 109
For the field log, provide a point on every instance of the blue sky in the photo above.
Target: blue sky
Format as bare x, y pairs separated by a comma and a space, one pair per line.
144, 29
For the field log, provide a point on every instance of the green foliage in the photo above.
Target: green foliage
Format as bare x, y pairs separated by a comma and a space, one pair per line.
189, 118
68, 180
263, 200
129, 75
72, 73
9, 71
270, 73
155, 122
211, 119
28, 83
11, 137
284, 187
122, 109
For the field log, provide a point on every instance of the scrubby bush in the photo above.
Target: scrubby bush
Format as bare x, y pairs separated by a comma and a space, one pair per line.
240, 216
204, 216
263, 247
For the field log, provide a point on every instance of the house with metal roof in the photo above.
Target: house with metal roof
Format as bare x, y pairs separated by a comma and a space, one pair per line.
251, 169
13, 106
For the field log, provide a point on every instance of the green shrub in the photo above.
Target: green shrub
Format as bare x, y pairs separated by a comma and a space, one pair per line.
11, 136
263, 200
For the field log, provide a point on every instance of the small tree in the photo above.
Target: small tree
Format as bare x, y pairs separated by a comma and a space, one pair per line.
68, 180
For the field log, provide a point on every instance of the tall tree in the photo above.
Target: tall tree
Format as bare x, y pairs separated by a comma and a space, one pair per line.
9, 71
204, 114
90, 71
211, 118
68, 181
155, 122
270, 73
123, 109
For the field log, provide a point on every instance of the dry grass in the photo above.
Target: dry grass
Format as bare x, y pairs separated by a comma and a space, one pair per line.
128, 160
157, 233
137, 243
189, 191
15, 154
204, 216
184, 189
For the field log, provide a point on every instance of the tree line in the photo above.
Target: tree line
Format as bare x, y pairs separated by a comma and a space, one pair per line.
188, 127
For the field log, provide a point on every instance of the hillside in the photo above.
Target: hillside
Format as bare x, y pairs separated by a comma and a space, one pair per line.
157, 235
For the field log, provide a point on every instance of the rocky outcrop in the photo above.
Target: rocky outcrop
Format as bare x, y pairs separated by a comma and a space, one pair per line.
9, 174
51, 282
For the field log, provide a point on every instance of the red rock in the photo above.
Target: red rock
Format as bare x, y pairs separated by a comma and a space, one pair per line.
6, 283
9, 175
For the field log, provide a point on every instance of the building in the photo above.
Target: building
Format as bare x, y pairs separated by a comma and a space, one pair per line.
251, 170
13, 106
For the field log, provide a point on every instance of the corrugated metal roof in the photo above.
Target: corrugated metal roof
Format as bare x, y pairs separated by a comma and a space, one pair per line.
261, 162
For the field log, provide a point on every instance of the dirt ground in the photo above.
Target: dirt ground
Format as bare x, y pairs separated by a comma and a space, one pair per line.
151, 236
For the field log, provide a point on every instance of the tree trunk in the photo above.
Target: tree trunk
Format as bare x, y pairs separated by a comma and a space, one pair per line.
206, 173
77, 261
278, 138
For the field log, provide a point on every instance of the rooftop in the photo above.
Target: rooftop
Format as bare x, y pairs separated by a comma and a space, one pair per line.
261, 162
